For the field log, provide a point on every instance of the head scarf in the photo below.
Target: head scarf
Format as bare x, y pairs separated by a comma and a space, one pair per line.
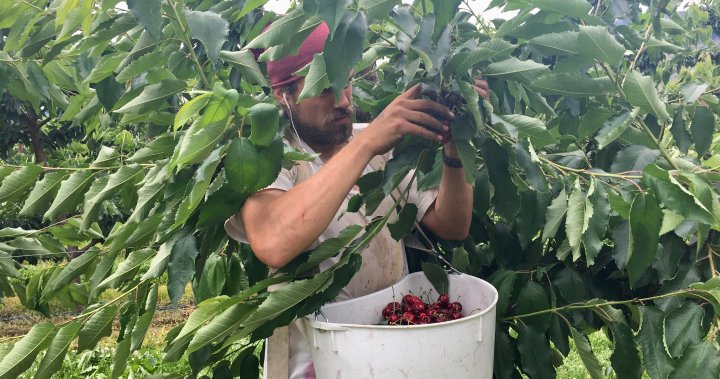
280, 72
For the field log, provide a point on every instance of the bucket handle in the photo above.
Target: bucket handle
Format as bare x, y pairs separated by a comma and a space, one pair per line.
319, 312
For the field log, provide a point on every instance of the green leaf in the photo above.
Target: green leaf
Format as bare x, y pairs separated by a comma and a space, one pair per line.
159, 148
201, 181
279, 30
596, 42
127, 175
332, 12
205, 312
98, 326
564, 43
24, 351
151, 187
572, 8
378, 9
571, 285
645, 224
625, 358
656, 360
212, 281
674, 196
198, 143
210, 29
640, 92
53, 359
535, 353
245, 62
634, 158
344, 50
554, 215
125, 269
153, 96
506, 198
680, 132
141, 65
682, 328
594, 236
107, 157
148, 14
702, 129
15, 184
72, 270
577, 85
329, 248
221, 105
530, 128
220, 327
495, 48
316, 80
582, 344
533, 298
145, 319
504, 281
181, 266
264, 124
575, 222
526, 71
105, 66
70, 194
241, 165
190, 110
444, 11
699, 361
437, 276
280, 301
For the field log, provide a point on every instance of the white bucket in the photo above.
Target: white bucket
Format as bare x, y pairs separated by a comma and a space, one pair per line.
351, 346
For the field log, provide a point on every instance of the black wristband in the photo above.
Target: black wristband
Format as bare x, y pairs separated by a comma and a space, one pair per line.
451, 162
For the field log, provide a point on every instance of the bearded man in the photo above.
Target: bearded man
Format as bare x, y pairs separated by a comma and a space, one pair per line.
306, 203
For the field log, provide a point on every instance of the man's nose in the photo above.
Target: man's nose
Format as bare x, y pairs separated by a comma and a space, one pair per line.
344, 101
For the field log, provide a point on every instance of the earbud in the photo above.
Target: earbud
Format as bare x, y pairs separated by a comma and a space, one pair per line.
286, 100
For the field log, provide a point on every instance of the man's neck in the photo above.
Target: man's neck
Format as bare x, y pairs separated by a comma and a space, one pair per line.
328, 151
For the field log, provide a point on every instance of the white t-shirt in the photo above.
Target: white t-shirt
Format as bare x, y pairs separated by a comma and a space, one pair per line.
383, 262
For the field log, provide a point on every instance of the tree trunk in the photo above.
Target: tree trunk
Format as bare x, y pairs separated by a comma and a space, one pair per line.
33, 126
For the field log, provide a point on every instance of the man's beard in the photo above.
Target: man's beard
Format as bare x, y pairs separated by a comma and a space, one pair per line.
327, 133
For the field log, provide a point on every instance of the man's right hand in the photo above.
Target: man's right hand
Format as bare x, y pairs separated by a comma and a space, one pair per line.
407, 114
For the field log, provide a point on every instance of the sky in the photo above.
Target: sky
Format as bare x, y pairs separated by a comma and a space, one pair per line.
479, 6
280, 6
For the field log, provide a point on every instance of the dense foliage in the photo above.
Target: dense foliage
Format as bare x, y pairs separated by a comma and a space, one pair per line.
596, 200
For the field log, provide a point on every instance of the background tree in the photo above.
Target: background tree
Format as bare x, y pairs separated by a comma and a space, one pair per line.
596, 201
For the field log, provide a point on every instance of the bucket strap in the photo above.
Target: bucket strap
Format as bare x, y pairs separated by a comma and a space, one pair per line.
278, 354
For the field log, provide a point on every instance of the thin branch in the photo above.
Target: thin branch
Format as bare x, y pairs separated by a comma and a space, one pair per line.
655, 141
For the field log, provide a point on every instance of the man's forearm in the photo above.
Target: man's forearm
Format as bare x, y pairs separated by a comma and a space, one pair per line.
451, 213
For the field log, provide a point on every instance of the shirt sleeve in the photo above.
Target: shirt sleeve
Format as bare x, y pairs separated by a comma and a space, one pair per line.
234, 225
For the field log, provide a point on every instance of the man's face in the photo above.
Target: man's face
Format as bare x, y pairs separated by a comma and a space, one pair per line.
319, 120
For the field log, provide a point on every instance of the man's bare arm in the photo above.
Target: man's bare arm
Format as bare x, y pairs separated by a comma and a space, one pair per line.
280, 225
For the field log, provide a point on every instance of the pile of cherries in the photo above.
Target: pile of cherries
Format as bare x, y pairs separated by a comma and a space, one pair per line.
414, 311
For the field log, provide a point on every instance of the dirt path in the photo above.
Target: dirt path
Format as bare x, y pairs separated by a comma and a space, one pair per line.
17, 321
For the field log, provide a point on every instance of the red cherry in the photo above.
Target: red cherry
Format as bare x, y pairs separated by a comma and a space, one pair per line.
456, 316
443, 299
408, 299
387, 312
425, 319
418, 308
456, 307
408, 318
394, 320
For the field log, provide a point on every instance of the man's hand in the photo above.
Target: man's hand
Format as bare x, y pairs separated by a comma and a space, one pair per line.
481, 87
407, 114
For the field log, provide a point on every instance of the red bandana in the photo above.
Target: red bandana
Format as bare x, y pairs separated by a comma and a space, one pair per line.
281, 72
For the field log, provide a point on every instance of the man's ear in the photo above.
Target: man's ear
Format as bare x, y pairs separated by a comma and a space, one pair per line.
278, 95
